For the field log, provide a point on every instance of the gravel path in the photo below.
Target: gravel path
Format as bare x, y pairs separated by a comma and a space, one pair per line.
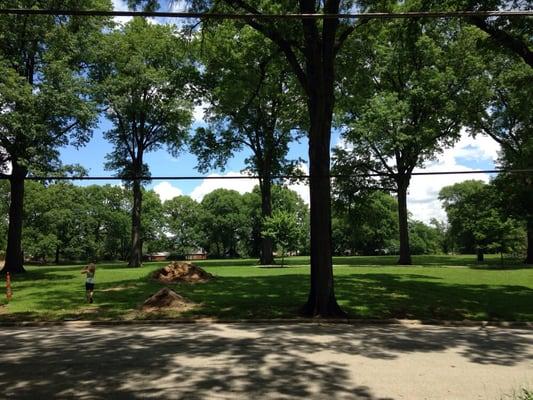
264, 361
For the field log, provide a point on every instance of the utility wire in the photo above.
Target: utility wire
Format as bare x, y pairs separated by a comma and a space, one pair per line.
287, 177
259, 16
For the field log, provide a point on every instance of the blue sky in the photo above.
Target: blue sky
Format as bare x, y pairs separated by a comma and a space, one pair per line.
467, 154
161, 163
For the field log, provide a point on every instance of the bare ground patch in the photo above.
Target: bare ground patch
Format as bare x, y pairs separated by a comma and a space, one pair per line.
167, 300
181, 272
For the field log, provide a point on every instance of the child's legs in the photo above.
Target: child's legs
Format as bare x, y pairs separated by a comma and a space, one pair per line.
89, 289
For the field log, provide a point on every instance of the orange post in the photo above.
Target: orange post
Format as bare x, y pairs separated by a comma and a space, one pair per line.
9, 292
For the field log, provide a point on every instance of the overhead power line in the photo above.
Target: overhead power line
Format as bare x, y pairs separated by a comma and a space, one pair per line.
293, 177
260, 16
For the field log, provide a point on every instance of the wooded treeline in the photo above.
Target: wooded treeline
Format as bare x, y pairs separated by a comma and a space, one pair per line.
401, 91
67, 223
63, 222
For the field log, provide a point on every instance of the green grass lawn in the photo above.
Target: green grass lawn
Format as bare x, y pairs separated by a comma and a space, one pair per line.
436, 287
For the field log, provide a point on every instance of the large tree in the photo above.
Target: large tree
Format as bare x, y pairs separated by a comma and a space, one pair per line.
55, 222
251, 105
43, 97
416, 79
364, 222
108, 222
142, 73
311, 47
505, 115
283, 199
477, 223
224, 222
283, 228
182, 223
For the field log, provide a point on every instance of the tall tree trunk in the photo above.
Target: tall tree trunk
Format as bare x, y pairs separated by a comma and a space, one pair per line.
321, 301
267, 257
320, 57
480, 255
14, 255
57, 255
529, 256
136, 243
405, 252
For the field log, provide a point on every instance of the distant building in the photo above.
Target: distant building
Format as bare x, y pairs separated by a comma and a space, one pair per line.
199, 254
161, 256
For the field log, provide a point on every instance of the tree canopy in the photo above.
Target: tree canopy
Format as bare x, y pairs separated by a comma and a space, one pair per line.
44, 97
407, 103
476, 221
143, 74
250, 96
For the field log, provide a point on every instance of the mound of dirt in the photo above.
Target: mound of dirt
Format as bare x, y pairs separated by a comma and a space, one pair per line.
166, 299
181, 272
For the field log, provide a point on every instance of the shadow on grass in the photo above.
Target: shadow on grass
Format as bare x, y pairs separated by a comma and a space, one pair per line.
221, 361
368, 295
491, 262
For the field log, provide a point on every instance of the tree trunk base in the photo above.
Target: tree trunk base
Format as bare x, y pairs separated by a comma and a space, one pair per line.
312, 309
13, 269
267, 261
134, 265
405, 261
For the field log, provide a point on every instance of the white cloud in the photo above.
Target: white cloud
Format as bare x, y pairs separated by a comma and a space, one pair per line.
302, 187
423, 200
208, 185
178, 6
198, 112
166, 191
243, 185
121, 5
474, 149
7, 167
342, 143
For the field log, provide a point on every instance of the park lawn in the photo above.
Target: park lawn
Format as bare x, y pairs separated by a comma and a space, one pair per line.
435, 287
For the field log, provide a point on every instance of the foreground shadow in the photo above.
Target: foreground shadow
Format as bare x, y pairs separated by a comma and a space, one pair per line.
176, 362
228, 361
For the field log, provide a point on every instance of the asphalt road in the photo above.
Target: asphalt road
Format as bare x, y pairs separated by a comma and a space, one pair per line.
264, 361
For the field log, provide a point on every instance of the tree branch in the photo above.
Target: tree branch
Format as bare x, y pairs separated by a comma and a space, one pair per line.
382, 159
346, 33
505, 39
276, 37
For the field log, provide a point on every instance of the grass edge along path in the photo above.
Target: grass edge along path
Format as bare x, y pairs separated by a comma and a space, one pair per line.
368, 288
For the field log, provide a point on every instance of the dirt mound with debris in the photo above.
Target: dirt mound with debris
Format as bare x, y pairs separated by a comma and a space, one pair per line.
167, 299
181, 272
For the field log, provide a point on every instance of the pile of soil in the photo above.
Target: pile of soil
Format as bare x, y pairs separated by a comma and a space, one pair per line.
166, 299
181, 272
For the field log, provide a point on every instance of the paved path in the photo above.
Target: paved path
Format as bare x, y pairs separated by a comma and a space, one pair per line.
259, 361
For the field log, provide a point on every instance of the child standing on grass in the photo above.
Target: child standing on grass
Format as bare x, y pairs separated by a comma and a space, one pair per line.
89, 270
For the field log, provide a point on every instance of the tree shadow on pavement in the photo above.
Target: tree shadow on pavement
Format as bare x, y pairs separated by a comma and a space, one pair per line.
177, 362
197, 361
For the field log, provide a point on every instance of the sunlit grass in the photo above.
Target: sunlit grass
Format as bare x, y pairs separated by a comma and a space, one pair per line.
435, 287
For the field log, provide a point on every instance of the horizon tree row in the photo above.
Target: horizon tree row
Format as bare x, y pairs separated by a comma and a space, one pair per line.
68, 223
64, 222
